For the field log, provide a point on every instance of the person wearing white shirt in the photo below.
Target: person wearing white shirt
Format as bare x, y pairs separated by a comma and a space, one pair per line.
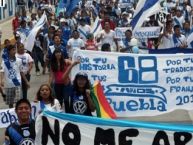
11, 74
178, 18
46, 100
165, 38
108, 36
27, 64
74, 43
83, 29
178, 39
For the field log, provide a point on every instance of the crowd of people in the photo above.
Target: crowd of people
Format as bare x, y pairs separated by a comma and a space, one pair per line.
60, 37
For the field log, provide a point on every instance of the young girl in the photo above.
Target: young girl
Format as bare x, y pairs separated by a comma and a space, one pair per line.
90, 43
80, 101
27, 64
59, 76
44, 95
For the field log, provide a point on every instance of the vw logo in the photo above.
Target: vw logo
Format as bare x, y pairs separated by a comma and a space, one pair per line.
27, 142
79, 107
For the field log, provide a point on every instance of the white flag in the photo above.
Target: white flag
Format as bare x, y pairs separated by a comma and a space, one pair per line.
96, 28
30, 40
144, 9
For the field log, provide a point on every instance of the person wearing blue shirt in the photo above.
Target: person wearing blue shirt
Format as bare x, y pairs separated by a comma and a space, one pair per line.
66, 31
23, 130
126, 41
186, 29
57, 45
23, 28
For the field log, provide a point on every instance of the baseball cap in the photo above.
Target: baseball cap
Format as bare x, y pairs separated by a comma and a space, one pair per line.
82, 75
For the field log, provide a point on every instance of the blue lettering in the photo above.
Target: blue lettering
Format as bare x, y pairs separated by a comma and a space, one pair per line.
173, 62
12, 118
150, 70
181, 100
4, 118
98, 60
135, 105
132, 105
85, 66
170, 80
100, 78
143, 105
84, 60
128, 71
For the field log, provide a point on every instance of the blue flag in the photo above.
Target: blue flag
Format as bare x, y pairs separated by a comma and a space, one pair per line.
71, 6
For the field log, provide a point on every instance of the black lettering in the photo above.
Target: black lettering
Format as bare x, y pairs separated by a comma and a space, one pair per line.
68, 130
161, 135
46, 130
182, 138
104, 136
127, 133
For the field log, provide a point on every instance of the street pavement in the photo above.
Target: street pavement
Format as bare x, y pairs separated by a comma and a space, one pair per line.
178, 116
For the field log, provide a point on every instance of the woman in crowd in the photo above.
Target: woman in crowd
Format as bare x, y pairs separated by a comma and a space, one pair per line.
80, 100
62, 84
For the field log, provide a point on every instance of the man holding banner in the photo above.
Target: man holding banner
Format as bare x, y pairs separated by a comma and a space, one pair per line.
22, 131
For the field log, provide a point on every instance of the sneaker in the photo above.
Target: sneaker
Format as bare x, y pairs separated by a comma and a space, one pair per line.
38, 73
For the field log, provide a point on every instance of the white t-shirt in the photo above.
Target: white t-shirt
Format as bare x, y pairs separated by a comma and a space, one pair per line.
55, 107
84, 30
180, 40
108, 38
181, 21
166, 42
74, 44
25, 59
10, 74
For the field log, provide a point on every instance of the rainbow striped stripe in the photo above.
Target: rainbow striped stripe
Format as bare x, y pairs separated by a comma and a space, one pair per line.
103, 108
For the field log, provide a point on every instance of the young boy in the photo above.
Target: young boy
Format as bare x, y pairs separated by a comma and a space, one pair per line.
23, 131
11, 77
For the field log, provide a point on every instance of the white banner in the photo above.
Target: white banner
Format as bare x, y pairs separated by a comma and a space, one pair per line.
59, 129
8, 116
125, 3
141, 84
142, 32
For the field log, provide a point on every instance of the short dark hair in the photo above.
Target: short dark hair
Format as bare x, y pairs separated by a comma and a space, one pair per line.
176, 27
106, 47
22, 101
128, 30
10, 47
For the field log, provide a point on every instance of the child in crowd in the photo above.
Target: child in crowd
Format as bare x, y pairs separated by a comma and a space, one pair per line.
90, 43
44, 95
27, 64
11, 74
106, 47
80, 100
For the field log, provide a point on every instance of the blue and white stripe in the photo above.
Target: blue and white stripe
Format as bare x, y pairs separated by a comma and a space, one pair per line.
144, 9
